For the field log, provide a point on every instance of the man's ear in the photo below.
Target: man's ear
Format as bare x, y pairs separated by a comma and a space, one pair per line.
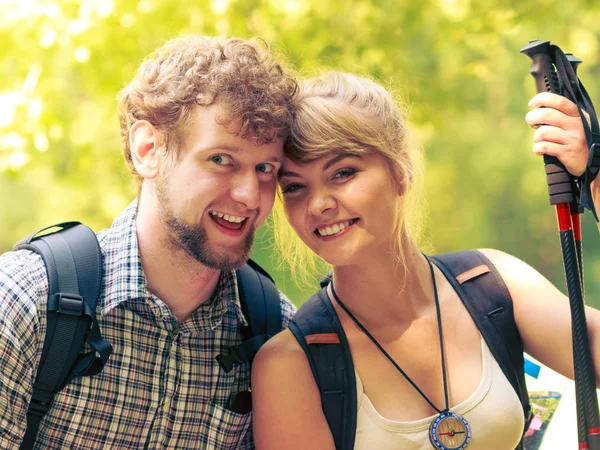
146, 150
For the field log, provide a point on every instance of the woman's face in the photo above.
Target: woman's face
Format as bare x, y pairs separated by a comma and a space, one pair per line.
342, 206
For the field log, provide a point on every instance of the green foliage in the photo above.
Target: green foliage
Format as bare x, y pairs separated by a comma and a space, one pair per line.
456, 62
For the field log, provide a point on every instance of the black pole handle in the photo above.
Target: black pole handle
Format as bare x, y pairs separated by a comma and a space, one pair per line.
560, 185
542, 68
574, 60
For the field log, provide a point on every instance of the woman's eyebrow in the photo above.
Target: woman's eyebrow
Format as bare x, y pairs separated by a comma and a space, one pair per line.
288, 173
338, 158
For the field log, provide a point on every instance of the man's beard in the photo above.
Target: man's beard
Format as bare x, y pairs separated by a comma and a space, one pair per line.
194, 240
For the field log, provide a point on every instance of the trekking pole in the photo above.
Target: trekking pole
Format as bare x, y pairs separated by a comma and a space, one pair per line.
561, 190
593, 422
576, 212
566, 66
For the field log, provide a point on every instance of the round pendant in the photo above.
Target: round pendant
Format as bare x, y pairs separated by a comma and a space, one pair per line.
449, 431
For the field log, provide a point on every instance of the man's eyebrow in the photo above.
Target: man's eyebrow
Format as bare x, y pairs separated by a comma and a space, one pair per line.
238, 150
228, 148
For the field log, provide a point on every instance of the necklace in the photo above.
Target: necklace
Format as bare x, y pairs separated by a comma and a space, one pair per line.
448, 431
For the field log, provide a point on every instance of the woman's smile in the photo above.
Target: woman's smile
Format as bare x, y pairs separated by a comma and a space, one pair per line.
332, 231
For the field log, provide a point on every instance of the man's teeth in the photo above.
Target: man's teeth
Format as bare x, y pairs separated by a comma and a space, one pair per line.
335, 229
227, 217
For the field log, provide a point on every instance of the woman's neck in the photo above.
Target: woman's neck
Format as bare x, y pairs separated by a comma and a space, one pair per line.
383, 291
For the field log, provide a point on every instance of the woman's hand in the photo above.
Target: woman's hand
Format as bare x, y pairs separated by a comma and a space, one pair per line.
559, 131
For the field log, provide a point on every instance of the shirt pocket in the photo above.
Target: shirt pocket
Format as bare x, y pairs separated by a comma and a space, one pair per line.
228, 429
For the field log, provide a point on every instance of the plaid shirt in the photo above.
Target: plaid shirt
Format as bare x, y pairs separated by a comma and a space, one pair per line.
161, 388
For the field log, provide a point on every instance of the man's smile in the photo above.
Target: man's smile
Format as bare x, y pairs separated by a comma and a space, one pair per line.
229, 221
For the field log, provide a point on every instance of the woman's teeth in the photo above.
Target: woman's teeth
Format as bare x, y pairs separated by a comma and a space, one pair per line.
335, 229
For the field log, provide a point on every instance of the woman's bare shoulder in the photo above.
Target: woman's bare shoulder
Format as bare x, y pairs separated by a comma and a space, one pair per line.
282, 352
286, 397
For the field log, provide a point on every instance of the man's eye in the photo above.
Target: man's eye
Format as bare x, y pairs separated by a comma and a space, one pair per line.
222, 160
265, 168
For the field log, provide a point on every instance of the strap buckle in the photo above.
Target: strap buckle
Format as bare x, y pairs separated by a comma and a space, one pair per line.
40, 403
591, 171
228, 359
69, 304
241, 353
594, 157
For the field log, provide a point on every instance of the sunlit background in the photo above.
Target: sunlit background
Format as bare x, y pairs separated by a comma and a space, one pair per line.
456, 63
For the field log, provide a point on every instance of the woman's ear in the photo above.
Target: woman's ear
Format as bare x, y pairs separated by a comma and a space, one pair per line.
407, 182
146, 149
405, 175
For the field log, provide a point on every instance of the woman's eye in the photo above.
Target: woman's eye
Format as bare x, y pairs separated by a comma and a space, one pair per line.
290, 188
221, 160
265, 168
344, 173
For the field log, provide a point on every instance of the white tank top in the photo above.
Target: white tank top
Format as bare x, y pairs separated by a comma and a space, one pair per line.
494, 412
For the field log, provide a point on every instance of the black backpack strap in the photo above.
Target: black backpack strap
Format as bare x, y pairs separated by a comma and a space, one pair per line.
486, 297
261, 306
319, 332
74, 266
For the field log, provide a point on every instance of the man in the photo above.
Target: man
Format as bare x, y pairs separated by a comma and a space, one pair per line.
202, 125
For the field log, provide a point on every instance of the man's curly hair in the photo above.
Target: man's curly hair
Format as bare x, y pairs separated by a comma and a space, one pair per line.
242, 75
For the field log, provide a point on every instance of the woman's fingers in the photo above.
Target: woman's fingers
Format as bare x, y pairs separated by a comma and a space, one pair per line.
554, 117
556, 102
553, 109
571, 156
552, 134
559, 131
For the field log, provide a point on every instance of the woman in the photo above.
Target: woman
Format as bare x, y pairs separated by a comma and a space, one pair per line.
346, 182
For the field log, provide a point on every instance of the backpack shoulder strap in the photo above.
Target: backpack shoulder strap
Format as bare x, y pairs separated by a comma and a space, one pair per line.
74, 266
319, 332
261, 305
486, 297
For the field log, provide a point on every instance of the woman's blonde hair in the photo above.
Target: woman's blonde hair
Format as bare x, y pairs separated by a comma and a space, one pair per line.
344, 113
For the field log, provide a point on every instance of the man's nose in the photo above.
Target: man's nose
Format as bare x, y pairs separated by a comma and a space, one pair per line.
246, 189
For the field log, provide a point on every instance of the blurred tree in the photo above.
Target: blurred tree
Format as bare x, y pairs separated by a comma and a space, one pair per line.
455, 62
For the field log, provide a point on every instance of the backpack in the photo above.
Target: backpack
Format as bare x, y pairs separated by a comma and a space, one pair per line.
319, 332
73, 261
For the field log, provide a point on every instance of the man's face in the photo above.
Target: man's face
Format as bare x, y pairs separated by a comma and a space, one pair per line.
215, 193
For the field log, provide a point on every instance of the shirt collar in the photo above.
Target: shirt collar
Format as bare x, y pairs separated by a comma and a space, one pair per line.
124, 276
